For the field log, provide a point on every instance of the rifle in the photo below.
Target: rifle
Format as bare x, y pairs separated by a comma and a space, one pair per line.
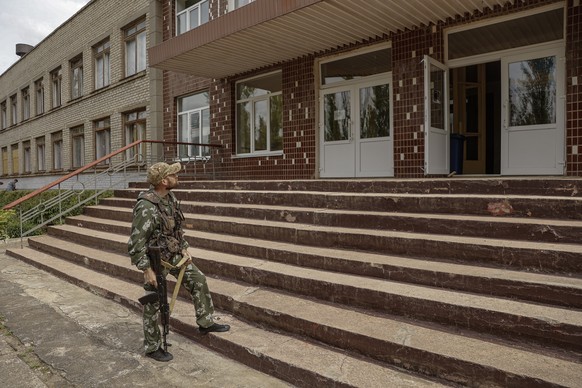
161, 295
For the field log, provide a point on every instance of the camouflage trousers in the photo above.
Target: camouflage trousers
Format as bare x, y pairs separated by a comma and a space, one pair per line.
195, 282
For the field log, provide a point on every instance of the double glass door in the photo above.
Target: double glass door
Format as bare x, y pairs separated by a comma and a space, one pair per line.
356, 130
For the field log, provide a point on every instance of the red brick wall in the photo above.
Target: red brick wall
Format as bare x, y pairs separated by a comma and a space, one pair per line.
299, 93
574, 92
408, 49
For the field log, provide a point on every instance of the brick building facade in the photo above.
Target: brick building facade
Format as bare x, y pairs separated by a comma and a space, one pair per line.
82, 92
488, 52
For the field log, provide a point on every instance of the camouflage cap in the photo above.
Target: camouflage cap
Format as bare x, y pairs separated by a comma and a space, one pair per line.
159, 171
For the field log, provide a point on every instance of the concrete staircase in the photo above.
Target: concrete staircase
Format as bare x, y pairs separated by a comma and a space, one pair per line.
367, 283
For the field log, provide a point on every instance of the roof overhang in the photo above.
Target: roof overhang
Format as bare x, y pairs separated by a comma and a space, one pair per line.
268, 32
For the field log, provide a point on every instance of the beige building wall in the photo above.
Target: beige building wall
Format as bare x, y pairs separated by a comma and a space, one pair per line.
98, 20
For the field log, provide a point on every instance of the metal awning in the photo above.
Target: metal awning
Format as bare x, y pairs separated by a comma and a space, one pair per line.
268, 32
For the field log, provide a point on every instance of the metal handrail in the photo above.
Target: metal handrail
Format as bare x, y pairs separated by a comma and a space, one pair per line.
137, 163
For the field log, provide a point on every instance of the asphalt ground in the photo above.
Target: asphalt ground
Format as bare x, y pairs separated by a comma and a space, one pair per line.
55, 334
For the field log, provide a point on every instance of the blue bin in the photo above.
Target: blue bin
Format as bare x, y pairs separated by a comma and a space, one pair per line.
457, 142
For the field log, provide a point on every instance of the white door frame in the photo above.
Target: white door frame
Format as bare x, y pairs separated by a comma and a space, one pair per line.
436, 140
352, 153
534, 149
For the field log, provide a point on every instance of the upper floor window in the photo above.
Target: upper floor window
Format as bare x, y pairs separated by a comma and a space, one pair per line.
56, 87
135, 129
25, 103
259, 115
76, 77
39, 87
102, 65
194, 125
3, 113
234, 4
191, 14
13, 110
135, 48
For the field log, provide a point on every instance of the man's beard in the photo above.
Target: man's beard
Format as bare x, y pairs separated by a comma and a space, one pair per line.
173, 184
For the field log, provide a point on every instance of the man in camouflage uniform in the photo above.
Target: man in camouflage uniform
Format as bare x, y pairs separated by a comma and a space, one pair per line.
157, 221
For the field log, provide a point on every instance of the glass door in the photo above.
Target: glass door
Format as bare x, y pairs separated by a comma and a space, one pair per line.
532, 140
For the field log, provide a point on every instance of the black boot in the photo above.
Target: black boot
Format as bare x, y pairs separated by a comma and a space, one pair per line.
214, 327
160, 355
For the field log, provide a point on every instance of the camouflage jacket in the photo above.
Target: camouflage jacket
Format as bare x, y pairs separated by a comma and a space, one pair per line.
156, 221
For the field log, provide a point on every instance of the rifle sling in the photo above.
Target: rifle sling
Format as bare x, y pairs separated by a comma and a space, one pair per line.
180, 276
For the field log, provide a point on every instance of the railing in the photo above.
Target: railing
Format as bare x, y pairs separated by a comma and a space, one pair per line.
132, 163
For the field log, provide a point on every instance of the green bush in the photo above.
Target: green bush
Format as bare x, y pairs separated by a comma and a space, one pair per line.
10, 219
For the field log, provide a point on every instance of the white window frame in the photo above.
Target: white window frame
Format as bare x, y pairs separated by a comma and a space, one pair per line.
102, 64
40, 154
76, 78
102, 128
57, 145
25, 95
203, 152
134, 130
27, 157
13, 110
187, 12
253, 100
4, 114
135, 48
77, 146
235, 4
56, 87
39, 92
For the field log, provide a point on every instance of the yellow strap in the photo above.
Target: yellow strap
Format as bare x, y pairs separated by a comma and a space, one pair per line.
179, 282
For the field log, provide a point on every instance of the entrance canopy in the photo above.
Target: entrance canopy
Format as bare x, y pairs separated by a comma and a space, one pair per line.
267, 32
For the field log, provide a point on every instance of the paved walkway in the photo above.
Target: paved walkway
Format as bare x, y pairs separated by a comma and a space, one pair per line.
54, 334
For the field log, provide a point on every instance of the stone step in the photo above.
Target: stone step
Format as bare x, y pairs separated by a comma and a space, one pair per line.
298, 361
522, 255
541, 288
513, 320
551, 207
528, 229
559, 186
455, 357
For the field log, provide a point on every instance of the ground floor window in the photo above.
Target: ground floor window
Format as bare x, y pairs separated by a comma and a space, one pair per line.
134, 129
40, 154
259, 115
27, 157
78, 146
102, 139
57, 141
4, 161
193, 125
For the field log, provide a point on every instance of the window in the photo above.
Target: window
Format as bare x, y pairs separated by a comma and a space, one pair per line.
56, 84
193, 125
57, 140
15, 159
27, 157
25, 104
135, 126
5, 161
40, 154
78, 146
102, 65
191, 14
13, 110
259, 115
3, 113
76, 77
234, 4
102, 139
135, 48
39, 87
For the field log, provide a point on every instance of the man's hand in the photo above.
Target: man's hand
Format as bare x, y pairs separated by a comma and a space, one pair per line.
149, 276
